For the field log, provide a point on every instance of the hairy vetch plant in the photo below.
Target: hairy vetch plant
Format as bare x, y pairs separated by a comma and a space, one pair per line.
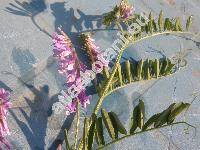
119, 76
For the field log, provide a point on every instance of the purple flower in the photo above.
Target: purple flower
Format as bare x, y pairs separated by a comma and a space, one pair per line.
64, 52
4, 106
71, 107
126, 10
85, 100
70, 66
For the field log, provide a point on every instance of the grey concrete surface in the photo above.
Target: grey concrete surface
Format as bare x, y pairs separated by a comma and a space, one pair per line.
28, 70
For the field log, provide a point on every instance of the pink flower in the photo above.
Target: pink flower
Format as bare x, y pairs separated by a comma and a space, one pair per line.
71, 107
71, 78
84, 100
64, 52
126, 10
4, 106
70, 66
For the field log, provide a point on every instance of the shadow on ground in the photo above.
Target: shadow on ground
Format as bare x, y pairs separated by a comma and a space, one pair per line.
63, 18
34, 127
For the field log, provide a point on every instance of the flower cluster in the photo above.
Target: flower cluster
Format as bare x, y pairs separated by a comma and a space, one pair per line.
64, 52
92, 50
125, 9
70, 67
4, 105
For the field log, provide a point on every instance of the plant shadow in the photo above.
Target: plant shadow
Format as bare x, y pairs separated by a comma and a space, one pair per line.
29, 9
63, 18
34, 128
36, 124
3, 85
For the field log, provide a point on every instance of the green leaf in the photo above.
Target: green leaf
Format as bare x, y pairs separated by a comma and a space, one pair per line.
156, 67
163, 116
114, 125
133, 70
134, 120
150, 24
85, 133
147, 28
147, 68
111, 16
99, 131
160, 21
169, 68
91, 132
154, 26
139, 69
128, 71
108, 123
168, 24
151, 68
188, 23
177, 109
115, 120
178, 26
164, 66
150, 122
141, 114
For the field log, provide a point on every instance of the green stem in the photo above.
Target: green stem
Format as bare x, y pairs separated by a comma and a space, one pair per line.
77, 124
161, 33
98, 105
113, 90
140, 132
66, 140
